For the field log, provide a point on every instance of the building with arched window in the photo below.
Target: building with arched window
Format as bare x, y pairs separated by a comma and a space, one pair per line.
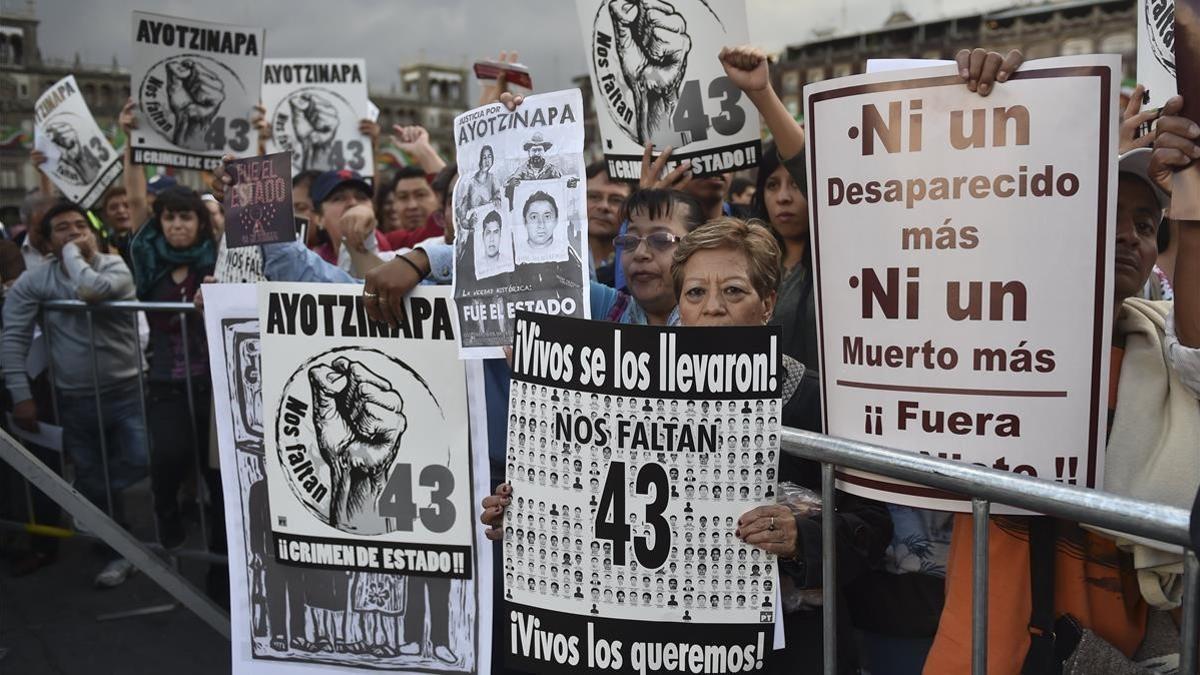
24, 75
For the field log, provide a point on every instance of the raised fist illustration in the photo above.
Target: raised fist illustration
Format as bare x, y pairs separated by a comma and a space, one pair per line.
315, 122
652, 47
359, 420
194, 94
75, 162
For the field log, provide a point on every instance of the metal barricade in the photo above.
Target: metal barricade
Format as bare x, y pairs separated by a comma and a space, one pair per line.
133, 310
983, 485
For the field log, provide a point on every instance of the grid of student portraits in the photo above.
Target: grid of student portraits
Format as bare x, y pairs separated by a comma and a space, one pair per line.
567, 547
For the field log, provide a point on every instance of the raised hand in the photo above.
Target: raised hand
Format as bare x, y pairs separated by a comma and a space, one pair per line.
652, 46
127, 119
652, 177
491, 91
359, 420
315, 122
1132, 118
194, 94
746, 67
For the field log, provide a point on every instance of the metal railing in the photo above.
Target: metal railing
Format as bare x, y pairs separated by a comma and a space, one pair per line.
982, 485
1159, 522
73, 502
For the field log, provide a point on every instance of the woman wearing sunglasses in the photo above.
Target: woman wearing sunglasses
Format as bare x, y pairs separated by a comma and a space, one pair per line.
657, 220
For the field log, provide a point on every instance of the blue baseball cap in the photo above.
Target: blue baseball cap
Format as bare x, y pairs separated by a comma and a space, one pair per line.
326, 183
161, 182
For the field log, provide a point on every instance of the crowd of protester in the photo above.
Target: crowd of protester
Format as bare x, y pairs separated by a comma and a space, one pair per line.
668, 250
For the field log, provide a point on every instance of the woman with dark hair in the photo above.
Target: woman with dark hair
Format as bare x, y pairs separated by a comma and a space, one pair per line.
172, 254
780, 201
483, 187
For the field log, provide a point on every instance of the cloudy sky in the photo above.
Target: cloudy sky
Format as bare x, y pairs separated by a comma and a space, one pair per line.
388, 33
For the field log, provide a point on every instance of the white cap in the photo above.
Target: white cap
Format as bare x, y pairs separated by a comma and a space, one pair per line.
1137, 163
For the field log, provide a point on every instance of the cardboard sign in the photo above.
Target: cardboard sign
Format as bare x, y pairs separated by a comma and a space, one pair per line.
1156, 50
367, 453
962, 260
258, 205
523, 198
287, 619
79, 159
196, 84
656, 79
314, 107
632, 452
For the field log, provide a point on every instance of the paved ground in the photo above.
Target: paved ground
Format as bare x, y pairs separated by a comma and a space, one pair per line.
48, 624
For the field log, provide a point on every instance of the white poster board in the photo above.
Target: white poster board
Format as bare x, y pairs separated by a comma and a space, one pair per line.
79, 159
656, 79
239, 265
963, 262
525, 166
631, 466
1156, 50
314, 107
289, 620
196, 84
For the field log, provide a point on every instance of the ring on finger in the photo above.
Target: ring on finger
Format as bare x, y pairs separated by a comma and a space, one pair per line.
771, 526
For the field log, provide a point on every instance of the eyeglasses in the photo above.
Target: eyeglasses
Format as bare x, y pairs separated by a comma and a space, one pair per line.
657, 241
614, 201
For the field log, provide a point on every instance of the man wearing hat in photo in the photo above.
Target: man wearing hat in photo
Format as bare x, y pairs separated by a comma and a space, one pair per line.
536, 167
345, 213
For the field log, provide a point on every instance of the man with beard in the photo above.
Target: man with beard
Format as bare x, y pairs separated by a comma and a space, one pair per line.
536, 166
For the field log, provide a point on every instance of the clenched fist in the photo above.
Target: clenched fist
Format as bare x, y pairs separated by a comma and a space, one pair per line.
74, 160
652, 47
194, 94
359, 420
315, 122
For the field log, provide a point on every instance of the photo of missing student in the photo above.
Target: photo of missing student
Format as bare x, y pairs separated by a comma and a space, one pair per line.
519, 212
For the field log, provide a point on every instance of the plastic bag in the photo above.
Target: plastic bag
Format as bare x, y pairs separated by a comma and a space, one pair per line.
803, 502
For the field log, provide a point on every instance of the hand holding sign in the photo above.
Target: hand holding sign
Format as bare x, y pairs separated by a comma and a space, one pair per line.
359, 420
771, 528
653, 46
195, 94
315, 121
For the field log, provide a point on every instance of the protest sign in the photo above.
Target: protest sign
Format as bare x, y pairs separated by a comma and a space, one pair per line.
1185, 185
962, 255
314, 107
286, 619
523, 198
361, 433
632, 453
79, 159
196, 84
242, 265
656, 79
1156, 50
258, 204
